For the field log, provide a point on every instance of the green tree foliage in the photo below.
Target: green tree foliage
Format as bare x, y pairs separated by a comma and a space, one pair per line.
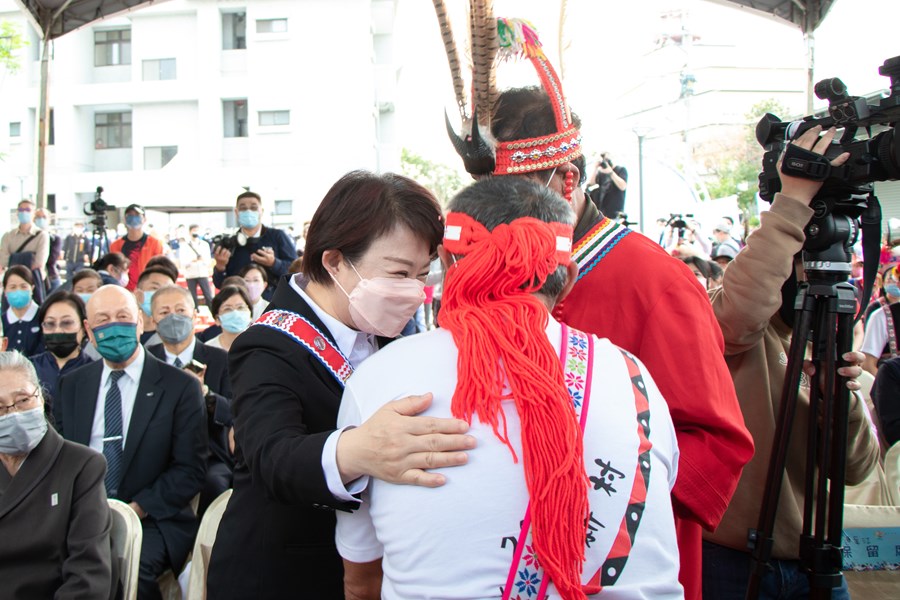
442, 180
11, 40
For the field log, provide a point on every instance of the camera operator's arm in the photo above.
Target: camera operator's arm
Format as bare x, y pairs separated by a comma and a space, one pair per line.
701, 239
222, 257
751, 289
278, 258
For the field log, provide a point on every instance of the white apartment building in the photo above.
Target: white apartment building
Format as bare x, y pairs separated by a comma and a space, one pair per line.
181, 105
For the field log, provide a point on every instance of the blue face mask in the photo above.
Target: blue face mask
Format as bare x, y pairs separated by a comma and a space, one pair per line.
116, 342
85, 297
248, 218
893, 289
133, 221
41, 222
24, 216
18, 298
235, 321
145, 305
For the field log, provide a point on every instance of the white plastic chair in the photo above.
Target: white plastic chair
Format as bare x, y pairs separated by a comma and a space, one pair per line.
127, 537
206, 537
892, 472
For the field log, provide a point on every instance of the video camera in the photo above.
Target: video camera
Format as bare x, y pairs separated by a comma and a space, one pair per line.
229, 242
98, 209
847, 190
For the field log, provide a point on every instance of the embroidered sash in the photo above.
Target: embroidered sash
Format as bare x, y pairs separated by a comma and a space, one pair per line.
307, 335
598, 242
891, 331
526, 578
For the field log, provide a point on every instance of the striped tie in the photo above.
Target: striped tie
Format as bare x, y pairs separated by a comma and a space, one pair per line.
112, 434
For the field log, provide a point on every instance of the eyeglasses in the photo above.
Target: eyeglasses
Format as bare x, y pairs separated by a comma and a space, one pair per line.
19, 403
65, 326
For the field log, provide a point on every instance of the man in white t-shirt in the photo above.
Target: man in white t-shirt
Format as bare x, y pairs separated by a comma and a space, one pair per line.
195, 259
882, 339
607, 489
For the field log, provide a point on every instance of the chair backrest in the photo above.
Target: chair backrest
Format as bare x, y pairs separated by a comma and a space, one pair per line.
206, 537
127, 536
892, 472
871, 534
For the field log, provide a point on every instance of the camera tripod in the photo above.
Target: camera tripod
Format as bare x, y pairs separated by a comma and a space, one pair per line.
99, 239
824, 313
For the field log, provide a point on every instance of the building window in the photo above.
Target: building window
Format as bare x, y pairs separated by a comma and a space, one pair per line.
284, 207
235, 114
159, 69
234, 30
271, 25
15, 129
156, 157
112, 130
274, 117
112, 47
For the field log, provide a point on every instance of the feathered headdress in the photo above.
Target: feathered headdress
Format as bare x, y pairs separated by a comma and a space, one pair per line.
494, 40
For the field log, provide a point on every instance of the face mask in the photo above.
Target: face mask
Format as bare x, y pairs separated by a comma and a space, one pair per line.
24, 217
133, 221
383, 305
85, 297
116, 342
248, 218
175, 328
123, 280
41, 222
195, 235
235, 321
148, 296
892, 289
18, 298
21, 432
255, 288
61, 345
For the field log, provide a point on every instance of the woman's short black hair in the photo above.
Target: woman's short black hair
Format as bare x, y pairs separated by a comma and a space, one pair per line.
224, 294
111, 259
20, 271
362, 206
86, 274
73, 300
254, 267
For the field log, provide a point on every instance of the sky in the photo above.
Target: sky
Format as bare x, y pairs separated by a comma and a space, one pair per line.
606, 41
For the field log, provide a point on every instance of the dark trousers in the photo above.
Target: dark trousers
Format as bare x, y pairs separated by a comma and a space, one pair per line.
203, 282
154, 561
218, 479
726, 573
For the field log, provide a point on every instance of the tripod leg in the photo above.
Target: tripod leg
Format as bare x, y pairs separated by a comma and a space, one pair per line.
761, 539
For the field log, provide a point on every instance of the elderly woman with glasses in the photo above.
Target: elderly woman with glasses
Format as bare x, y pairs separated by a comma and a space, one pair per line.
54, 518
62, 318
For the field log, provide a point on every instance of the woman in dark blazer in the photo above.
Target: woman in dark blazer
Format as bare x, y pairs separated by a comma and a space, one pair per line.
369, 248
54, 518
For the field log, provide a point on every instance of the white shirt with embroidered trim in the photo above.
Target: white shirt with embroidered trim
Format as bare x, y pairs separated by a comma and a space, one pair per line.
128, 387
461, 537
356, 346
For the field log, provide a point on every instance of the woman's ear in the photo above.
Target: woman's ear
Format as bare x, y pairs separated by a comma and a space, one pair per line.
333, 261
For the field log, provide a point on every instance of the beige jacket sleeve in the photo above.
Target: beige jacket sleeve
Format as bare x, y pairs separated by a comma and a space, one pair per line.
4, 251
751, 289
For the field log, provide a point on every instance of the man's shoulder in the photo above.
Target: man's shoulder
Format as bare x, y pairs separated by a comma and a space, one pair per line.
210, 353
116, 244
85, 372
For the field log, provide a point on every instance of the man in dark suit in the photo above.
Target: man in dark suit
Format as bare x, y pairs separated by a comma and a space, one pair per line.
174, 313
148, 419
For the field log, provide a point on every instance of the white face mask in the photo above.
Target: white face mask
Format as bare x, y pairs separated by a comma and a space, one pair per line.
22, 431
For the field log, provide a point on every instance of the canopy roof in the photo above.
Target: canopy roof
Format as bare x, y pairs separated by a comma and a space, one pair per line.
805, 14
58, 17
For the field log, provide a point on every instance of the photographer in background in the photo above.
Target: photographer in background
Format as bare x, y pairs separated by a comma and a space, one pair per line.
268, 247
610, 180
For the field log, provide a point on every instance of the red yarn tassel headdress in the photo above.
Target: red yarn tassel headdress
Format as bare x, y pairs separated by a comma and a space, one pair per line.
498, 326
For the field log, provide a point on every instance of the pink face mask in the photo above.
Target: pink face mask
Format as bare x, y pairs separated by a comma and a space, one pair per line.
256, 289
383, 305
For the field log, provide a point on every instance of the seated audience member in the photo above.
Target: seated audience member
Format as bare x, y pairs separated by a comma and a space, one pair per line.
62, 322
85, 282
886, 396
231, 310
20, 321
700, 268
175, 316
496, 362
164, 262
257, 281
716, 274
215, 329
296, 266
755, 310
723, 254
883, 324
113, 268
150, 280
54, 519
149, 420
